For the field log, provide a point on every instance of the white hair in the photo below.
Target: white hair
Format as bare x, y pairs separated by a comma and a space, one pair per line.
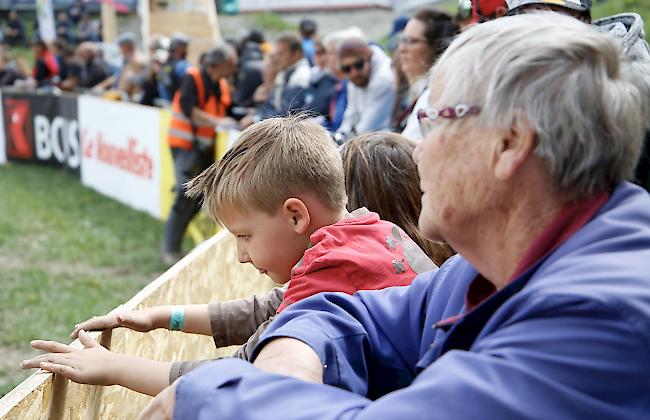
584, 104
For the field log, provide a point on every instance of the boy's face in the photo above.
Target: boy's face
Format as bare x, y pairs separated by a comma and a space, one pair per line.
268, 242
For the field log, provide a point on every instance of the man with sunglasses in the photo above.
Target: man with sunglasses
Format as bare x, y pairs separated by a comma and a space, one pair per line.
371, 88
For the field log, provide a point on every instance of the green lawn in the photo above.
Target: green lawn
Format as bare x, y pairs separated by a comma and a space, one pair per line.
66, 253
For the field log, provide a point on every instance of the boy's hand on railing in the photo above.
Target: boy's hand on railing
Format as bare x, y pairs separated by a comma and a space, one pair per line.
91, 365
142, 321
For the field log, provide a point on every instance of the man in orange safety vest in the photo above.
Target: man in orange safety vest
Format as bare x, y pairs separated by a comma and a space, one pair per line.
199, 106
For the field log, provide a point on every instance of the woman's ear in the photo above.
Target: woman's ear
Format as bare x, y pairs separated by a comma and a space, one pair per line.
514, 148
297, 215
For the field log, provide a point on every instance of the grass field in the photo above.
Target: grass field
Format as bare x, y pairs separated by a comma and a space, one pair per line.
66, 253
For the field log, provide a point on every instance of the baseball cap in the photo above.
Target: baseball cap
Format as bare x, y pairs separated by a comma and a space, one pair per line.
577, 5
125, 38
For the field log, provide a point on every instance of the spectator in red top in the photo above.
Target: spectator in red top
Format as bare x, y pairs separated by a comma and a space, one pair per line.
46, 68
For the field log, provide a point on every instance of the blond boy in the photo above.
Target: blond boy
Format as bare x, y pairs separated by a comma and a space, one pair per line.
280, 192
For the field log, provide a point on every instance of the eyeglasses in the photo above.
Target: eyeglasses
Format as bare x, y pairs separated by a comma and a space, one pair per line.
426, 117
410, 41
357, 65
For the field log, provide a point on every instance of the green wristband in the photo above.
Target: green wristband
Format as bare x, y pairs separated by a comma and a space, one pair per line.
177, 318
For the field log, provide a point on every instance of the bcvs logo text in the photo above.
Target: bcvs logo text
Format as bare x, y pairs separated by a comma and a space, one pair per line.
58, 139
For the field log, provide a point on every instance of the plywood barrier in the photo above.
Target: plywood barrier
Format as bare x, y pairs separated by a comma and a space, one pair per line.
210, 272
196, 19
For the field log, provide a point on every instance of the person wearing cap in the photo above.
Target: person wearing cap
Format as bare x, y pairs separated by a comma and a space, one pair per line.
199, 106
371, 88
174, 68
545, 311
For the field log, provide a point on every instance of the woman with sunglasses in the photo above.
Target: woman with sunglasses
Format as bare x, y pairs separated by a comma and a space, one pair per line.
425, 37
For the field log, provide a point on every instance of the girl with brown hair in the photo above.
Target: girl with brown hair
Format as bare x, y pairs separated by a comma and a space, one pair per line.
380, 174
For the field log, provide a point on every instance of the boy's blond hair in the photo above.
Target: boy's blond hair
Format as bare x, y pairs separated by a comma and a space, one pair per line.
273, 160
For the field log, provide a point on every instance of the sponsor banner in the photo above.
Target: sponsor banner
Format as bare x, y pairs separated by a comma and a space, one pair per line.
121, 152
3, 154
41, 129
167, 180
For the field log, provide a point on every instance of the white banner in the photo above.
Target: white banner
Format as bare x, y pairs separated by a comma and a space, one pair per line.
121, 151
3, 147
45, 15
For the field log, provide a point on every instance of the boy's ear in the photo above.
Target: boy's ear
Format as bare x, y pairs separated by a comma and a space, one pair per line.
297, 215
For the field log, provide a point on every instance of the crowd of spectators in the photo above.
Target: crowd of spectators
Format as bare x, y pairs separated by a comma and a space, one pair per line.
343, 80
519, 137
70, 62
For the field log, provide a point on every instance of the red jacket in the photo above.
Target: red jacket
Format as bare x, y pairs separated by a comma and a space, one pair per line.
361, 252
50, 63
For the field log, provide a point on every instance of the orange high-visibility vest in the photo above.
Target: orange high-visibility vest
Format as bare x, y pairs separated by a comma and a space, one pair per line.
181, 129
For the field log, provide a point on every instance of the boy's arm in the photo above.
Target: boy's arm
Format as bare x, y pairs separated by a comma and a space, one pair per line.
196, 320
262, 306
95, 365
234, 322
245, 351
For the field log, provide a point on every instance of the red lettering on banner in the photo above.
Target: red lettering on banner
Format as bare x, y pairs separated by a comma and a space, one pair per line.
19, 129
126, 158
86, 144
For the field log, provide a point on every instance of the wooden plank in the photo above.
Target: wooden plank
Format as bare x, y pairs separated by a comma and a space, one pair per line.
109, 22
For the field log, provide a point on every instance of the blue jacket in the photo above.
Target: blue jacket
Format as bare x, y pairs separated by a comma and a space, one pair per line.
568, 339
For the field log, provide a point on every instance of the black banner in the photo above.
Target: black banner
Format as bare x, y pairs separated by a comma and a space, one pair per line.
42, 128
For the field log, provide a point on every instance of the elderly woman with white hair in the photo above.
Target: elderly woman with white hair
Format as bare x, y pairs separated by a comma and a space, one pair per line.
533, 127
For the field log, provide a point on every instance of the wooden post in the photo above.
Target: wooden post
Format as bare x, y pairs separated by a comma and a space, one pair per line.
57, 402
109, 22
